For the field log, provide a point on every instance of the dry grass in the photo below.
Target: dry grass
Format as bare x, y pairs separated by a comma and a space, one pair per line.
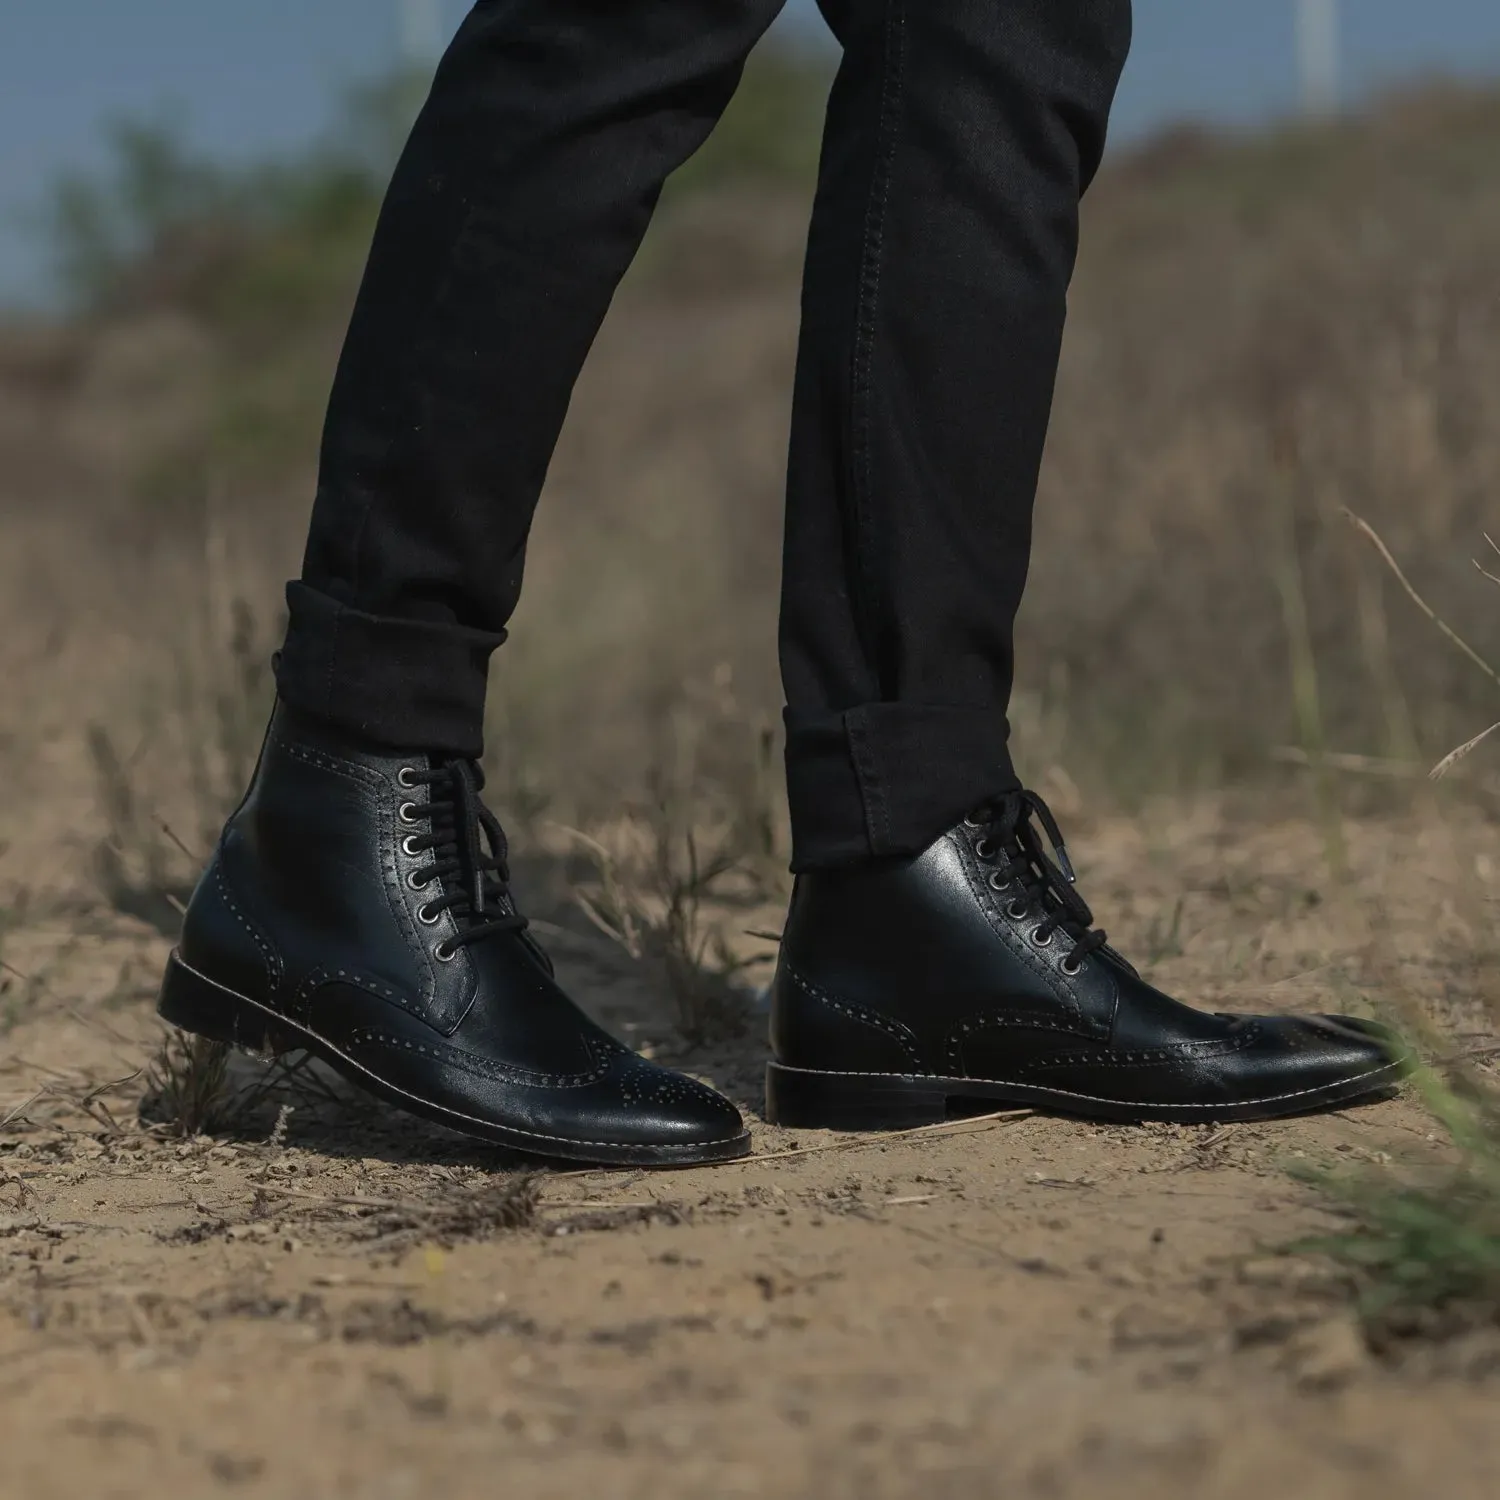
653, 906
187, 1086
1423, 1247
1265, 332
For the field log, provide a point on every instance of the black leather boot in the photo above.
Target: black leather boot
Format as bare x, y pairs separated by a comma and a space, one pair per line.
973, 972
358, 906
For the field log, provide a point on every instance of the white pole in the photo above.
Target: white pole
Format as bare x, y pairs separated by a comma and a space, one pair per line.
1318, 54
421, 23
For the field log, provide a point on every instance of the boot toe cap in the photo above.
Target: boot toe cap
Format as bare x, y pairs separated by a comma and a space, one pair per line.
1313, 1055
659, 1106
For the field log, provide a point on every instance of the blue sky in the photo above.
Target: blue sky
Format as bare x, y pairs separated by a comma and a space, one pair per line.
244, 77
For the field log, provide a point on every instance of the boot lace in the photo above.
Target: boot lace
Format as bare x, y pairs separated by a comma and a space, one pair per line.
467, 854
1041, 884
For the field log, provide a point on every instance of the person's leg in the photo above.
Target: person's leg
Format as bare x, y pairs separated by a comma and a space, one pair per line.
961, 134
936, 948
358, 904
519, 202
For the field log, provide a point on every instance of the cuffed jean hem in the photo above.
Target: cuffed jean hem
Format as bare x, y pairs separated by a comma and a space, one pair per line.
407, 684
887, 778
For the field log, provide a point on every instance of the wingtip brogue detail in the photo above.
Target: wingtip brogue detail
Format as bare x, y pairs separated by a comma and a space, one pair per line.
358, 906
973, 973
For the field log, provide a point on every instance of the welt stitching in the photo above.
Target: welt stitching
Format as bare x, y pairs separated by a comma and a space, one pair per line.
1205, 1110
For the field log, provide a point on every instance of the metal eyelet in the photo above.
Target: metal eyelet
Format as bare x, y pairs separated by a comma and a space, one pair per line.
407, 777
406, 846
417, 885
407, 813
984, 849
1072, 965
999, 882
1017, 909
426, 915
444, 954
1039, 940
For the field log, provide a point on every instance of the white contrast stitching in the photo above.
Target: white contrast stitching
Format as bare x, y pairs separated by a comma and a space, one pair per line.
1101, 1099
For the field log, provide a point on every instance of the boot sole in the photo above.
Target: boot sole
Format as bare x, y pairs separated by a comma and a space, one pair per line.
193, 1002
804, 1099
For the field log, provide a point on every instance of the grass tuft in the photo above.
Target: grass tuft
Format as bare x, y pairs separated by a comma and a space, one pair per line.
1422, 1249
188, 1088
654, 908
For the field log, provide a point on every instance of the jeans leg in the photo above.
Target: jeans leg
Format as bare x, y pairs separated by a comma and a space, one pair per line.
518, 203
961, 135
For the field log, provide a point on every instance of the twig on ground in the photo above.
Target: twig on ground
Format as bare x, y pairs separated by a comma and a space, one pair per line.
505, 1203
20, 1109
1002, 1116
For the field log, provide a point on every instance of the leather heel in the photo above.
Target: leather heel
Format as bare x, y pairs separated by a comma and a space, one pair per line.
803, 1099
193, 1003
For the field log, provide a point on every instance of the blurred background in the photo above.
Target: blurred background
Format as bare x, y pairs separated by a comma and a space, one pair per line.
1287, 306
1287, 310
218, 1273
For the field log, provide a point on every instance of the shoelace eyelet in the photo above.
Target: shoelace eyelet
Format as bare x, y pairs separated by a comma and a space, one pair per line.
407, 813
406, 846
999, 882
1017, 909
444, 954
984, 849
417, 885
1072, 965
426, 915
407, 777
1039, 940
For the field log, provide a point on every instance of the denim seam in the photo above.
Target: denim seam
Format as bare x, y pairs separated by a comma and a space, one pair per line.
867, 774
876, 810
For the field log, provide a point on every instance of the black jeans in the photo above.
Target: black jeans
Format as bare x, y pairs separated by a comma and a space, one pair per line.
960, 136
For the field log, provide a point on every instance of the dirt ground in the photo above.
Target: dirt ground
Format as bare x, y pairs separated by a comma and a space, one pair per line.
320, 1299
325, 1299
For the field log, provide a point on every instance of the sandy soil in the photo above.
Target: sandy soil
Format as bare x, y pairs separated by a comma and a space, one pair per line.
324, 1299
320, 1299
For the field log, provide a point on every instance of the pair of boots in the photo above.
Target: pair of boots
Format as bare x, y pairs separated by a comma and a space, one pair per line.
359, 907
